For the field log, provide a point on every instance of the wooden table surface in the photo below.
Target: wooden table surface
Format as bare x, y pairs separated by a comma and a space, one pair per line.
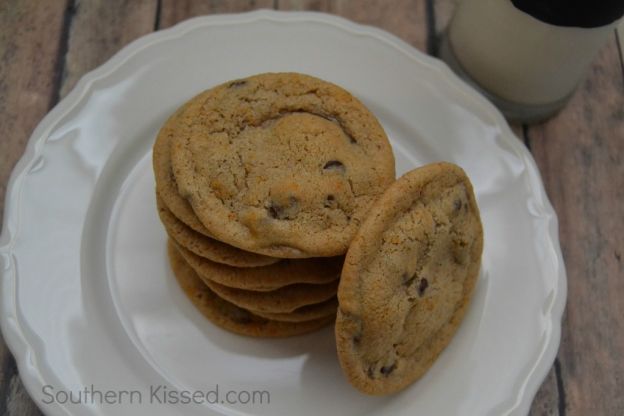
46, 46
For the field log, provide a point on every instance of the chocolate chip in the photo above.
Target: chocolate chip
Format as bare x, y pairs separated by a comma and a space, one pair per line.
335, 165
457, 204
387, 369
422, 286
369, 372
357, 339
284, 212
460, 251
237, 84
407, 280
275, 211
330, 202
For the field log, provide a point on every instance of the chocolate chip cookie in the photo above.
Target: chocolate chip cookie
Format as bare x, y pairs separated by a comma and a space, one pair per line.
283, 300
165, 182
268, 278
408, 278
207, 247
305, 313
280, 164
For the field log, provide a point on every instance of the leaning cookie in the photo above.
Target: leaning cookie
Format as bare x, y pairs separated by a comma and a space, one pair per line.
281, 164
408, 278
230, 317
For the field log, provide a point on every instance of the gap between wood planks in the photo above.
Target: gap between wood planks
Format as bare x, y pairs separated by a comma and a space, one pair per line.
157, 17
619, 39
70, 11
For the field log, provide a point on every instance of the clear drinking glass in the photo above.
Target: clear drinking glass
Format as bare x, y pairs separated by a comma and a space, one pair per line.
527, 56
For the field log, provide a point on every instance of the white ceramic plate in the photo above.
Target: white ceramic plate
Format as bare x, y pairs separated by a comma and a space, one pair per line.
88, 299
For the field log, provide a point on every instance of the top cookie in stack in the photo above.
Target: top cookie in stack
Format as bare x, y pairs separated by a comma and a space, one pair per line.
271, 167
283, 165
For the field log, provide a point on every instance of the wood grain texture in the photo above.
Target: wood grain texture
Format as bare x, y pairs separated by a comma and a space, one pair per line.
31, 45
174, 11
98, 29
403, 18
18, 402
546, 401
30, 41
580, 154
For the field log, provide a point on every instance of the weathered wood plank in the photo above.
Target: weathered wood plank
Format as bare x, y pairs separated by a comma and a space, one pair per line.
174, 11
30, 40
31, 44
302, 5
580, 154
18, 402
546, 402
403, 18
98, 29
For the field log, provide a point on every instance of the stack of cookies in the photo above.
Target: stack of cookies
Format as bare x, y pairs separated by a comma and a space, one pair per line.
261, 184
279, 198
